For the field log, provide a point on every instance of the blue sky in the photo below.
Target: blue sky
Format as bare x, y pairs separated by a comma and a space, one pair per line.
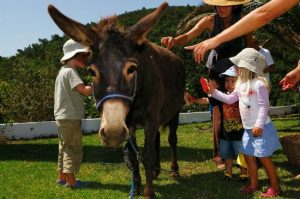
23, 22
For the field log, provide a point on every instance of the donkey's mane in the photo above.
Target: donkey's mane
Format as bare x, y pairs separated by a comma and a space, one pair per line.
106, 25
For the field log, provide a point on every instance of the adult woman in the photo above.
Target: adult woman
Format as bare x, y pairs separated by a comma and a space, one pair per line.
254, 20
227, 13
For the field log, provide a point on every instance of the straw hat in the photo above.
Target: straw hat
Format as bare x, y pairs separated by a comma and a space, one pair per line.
226, 2
250, 59
71, 48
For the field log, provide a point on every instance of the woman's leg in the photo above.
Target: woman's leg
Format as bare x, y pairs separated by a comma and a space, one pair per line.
216, 127
271, 172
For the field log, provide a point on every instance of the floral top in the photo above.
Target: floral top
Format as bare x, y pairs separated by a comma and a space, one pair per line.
232, 123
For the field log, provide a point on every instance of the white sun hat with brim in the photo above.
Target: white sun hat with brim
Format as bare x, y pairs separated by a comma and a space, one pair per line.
71, 48
226, 2
250, 59
231, 72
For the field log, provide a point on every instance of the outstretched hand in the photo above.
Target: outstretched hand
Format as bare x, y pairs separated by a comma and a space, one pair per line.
291, 79
200, 49
168, 42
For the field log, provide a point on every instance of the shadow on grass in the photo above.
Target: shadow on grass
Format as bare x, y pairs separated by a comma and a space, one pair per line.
202, 186
92, 154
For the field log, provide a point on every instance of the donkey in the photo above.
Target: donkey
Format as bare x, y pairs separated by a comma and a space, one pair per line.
135, 83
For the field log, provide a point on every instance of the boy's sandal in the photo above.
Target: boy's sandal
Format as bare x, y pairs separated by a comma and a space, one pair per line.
270, 193
229, 178
249, 190
61, 182
78, 185
243, 178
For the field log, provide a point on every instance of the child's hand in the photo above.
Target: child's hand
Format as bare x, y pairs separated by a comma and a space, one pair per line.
188, 98
212, 87
257, 132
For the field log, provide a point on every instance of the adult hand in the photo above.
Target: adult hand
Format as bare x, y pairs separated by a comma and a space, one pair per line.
199, 50
168, 42
291, 79
257, 132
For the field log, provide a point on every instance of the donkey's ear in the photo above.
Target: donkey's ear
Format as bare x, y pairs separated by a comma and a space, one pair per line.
139, 31
71, 28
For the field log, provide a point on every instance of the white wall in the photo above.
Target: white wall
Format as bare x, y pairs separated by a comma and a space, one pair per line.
31, 130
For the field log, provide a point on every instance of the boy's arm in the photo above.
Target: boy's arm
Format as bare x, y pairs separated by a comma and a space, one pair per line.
84, 90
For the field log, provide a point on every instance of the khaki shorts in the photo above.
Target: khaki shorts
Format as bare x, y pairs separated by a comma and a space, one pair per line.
70, 145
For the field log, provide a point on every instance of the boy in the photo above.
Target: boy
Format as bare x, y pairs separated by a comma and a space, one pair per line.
69, 110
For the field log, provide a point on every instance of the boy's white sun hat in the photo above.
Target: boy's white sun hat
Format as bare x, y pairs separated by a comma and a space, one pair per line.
231, 72
250, 59
71, 48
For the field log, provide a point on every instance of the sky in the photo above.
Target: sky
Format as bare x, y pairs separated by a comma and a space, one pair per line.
23, 22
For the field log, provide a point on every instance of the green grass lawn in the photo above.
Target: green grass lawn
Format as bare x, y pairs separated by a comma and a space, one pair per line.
28, 168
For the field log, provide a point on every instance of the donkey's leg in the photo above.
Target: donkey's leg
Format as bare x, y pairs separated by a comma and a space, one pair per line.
149, 156
157, 168
173, 125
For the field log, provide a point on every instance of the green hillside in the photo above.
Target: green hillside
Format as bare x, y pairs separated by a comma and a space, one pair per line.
27, 79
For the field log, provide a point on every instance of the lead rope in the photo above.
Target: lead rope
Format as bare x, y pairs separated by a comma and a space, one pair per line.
129, 163
132, 186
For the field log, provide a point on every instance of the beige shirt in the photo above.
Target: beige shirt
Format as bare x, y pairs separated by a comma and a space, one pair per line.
68, 103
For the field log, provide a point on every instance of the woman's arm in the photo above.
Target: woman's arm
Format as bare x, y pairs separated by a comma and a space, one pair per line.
252, 21
204, 24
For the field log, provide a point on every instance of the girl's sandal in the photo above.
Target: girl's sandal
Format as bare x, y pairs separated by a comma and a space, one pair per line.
271, 192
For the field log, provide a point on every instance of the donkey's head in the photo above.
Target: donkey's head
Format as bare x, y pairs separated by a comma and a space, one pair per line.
113, 65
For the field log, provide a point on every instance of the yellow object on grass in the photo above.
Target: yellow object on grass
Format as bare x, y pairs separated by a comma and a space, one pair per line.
241, 160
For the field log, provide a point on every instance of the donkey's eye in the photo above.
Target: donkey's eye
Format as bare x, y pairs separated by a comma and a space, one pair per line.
131, 69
